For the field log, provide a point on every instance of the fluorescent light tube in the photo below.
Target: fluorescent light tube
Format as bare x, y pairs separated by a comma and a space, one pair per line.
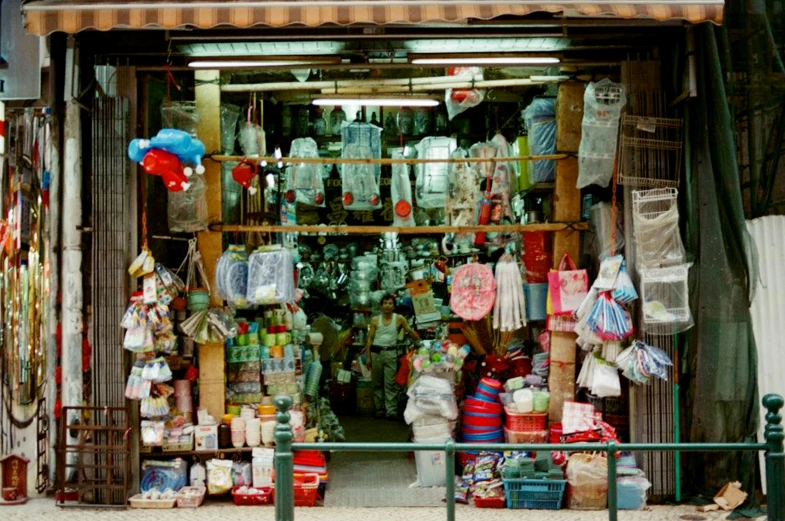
505, 60
378, 102
229, 64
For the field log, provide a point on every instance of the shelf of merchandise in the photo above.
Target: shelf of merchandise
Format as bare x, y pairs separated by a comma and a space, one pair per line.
388, 161
401, 230
176, 453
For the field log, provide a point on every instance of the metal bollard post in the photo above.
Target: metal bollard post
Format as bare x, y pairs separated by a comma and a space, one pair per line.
775, 458
284, 464
612, 499
449, 454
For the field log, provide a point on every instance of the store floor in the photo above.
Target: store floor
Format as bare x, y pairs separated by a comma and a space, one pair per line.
376, 479
45, 510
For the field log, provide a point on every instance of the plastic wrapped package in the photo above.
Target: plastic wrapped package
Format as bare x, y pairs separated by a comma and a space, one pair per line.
187, 209
430, 396
463, 192
460, 100
231, 276
432, 178
304, 180
252, 139
655, 218
270, 276
601, 218
361, 182
230, 114
587, 476
603, 103
219, 476
666, 300
163, 474
401, 190
181, 115
540, 120
632, 492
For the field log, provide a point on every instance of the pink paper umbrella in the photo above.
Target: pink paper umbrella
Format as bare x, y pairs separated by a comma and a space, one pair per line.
473, 291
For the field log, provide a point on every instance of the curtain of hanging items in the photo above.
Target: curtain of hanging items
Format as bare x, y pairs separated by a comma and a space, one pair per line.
24, 259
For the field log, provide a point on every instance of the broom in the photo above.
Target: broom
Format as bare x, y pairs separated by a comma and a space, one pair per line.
479, 334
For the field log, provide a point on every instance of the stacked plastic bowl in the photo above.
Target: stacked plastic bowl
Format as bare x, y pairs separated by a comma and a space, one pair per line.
482, 414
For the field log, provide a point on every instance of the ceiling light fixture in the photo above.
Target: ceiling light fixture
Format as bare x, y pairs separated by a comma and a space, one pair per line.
378, 102
499, 60
248, 64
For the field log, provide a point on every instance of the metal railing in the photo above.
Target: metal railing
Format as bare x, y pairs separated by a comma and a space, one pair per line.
773, 447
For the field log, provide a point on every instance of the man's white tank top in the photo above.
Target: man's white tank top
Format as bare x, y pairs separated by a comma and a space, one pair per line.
386, 335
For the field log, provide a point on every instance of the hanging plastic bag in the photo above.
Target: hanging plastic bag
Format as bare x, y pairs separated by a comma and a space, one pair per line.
603, 102
609, 320
432, 178
540, 120
304, 180
401, 190
187, 209
606, 381
463, 193
360, 182
460, 100
270, 276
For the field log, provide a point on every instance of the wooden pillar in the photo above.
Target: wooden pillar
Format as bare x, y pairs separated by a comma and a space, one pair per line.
211, 356
566, 208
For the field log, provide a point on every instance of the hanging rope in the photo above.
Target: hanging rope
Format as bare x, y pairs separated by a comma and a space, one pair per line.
613, 210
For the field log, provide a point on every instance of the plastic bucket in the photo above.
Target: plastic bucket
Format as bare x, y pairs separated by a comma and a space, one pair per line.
536, 301
430, 464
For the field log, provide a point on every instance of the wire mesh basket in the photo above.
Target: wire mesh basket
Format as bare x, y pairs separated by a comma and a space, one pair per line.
655, 217
665, 297
650, 151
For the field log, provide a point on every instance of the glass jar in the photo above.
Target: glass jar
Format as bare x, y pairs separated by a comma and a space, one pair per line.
224, 436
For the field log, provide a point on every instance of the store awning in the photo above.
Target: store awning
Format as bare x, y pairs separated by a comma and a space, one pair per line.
72, 16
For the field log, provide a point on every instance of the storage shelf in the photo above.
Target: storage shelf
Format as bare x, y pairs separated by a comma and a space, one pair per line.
402, 230
387, 161
174, 453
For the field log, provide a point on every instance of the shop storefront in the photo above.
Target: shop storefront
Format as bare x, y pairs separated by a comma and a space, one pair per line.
508, 176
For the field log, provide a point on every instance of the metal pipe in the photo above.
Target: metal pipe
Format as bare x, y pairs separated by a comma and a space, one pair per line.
612, 499
72, 290
284, 460
775, 458
449, 467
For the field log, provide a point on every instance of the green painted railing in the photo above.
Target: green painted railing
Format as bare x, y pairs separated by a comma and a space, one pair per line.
773, 447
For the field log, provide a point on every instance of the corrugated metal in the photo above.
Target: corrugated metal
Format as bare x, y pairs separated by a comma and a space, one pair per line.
768, 310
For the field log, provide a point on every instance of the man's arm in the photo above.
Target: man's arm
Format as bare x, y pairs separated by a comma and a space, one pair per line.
369, 342
406, 327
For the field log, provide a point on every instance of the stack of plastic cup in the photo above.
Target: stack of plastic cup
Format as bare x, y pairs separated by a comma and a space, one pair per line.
312, 381
238, 432
253, 432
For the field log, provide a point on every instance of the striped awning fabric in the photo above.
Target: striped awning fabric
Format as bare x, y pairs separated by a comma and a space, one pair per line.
71, 16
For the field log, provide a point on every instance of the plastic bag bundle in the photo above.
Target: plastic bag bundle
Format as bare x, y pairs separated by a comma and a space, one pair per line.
509, 309
603, 103
609, 320
304, 182
540, 120
270, 276
210, 326
624, 290
641, 362
360, 182
187, 209
432, 178
430, 396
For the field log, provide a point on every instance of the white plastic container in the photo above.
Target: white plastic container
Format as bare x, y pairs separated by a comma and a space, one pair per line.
431, 465
524, 400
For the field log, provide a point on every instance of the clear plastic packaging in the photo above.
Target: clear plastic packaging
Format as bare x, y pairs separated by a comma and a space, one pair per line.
187, 209
460, 100
230, 114
181, 115
540, 120
666, 301
270, 276
430, 396
603, 103
401, 190
601, 220
304, 180
432, 178
587, 475
655, 218
360, 182
252, 139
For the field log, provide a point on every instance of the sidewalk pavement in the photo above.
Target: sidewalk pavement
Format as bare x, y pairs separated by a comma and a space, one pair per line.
45, 510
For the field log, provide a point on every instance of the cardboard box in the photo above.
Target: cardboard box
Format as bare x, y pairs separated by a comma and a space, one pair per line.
730, 496
423, 304
206, 437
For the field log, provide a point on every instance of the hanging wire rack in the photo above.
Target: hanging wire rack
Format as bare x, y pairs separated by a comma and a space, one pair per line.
650, 151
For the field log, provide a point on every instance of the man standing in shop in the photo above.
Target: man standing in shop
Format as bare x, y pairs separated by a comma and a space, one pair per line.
381, 353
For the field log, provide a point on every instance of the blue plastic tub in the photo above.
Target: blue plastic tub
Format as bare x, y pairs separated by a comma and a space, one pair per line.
631, 494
